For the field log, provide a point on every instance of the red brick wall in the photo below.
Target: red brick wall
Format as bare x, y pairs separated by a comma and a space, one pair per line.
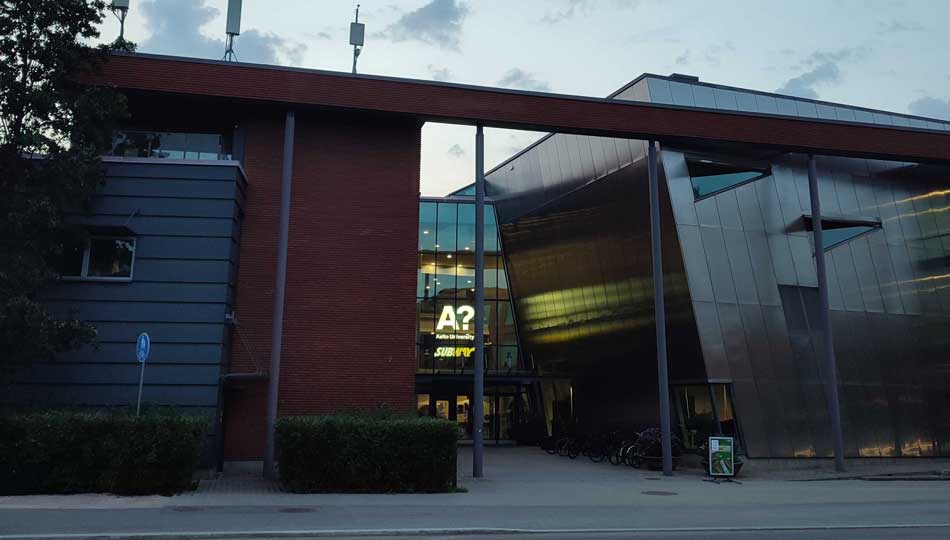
245, 402
349, 316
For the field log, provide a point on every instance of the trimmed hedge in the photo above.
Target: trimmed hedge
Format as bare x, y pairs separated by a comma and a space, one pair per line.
366, 454
114, 452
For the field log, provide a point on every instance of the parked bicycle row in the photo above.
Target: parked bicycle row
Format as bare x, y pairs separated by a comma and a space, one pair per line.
639, 449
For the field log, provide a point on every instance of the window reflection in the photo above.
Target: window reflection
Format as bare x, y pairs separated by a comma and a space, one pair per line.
446, 289
172, 145
710, 177
703, 411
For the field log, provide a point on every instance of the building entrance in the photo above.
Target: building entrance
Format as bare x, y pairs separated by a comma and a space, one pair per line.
506, 411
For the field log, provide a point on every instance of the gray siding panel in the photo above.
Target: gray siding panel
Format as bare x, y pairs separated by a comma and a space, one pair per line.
175, 270
166, 226
138, 291
185, 218
163, 352
127, 373
161, 332
167, 247
164, 206
115, 395
185, 189
144, 312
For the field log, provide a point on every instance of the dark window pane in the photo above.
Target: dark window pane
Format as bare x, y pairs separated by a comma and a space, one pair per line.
694, 413
169, 145
832, 237
172, 145
727, 419
467, 191
427, 225
836, 231
491, 230
709, 177
466, 228
425, 287
111, 257
448, 221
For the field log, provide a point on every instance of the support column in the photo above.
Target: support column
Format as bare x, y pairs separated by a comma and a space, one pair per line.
659, 310
279, 290
478, 392
831, 364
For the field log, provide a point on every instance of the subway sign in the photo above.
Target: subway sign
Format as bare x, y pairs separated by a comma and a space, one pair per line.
455, 323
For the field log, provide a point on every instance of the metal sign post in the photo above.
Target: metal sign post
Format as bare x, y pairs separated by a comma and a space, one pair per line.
142, 347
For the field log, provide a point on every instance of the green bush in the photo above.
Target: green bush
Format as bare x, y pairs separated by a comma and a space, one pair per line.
362, 453
114, 452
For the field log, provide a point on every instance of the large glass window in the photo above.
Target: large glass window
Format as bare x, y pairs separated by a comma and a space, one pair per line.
710, 177
446, 288
172, 145
703, 411
100, 258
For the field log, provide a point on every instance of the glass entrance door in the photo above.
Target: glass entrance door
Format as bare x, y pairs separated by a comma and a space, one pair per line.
505, 408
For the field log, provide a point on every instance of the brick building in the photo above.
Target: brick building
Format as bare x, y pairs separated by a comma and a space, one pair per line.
185, 246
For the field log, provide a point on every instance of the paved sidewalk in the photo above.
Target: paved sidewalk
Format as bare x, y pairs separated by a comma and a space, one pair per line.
525, 489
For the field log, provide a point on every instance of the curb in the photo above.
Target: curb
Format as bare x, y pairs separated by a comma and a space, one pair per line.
338, 533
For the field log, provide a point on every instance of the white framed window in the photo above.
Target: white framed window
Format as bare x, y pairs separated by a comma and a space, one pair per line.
102, 258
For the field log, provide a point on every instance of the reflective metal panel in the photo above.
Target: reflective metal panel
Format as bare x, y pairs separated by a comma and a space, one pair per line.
741, 266
741, 288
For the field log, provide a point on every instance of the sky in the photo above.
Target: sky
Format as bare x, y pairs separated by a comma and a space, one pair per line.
884, 54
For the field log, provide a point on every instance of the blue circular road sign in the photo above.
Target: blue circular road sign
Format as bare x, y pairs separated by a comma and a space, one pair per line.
142, 346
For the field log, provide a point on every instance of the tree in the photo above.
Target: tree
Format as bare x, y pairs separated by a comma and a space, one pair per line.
52, 131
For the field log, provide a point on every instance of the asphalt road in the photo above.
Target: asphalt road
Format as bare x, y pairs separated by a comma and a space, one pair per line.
438, 516
851, 534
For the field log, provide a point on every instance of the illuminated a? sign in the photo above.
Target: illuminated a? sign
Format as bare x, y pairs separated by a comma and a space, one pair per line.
453, 320
459, 321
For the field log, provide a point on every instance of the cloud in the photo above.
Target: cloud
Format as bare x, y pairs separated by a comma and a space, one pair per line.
931, 107
439, 22
456, 151
803, 85
439, 74
683, 59
573, 7
522, 80
175, 27
894, 27
822, 69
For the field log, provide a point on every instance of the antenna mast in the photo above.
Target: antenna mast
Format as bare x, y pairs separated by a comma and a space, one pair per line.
120, 8
233, 29
357, 32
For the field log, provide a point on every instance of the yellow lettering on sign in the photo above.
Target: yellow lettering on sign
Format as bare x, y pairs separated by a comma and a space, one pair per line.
453, 352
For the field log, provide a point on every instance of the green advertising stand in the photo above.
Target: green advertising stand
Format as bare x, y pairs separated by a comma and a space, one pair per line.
722, 459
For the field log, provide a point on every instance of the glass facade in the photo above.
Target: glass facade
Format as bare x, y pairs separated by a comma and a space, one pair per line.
445, 293
702, 411
172, 145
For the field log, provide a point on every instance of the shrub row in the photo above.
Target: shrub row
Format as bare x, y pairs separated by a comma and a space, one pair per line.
352, 453
114, 452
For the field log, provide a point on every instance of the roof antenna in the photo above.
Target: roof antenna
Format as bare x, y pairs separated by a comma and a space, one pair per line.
233, 29
357, 31
120, 8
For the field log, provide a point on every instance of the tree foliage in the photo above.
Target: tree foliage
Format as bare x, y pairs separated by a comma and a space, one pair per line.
53, 129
